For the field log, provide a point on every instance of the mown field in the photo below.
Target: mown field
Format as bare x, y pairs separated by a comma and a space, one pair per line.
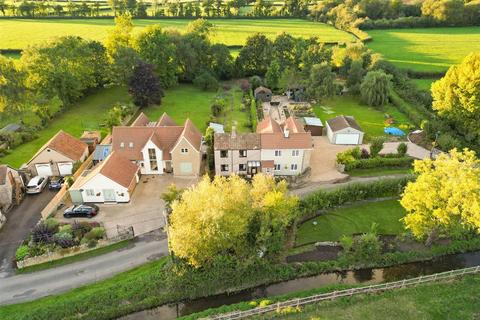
17, 33
371, 120
455, 299
428, 49
350, 220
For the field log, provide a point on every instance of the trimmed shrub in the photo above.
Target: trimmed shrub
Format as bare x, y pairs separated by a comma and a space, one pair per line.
66, 228
51, 224
376, 146
80, 229
402, 149
95, 233
380, 162
324, 200
364, 249
349, 156
21, 253
206, 81
64, 240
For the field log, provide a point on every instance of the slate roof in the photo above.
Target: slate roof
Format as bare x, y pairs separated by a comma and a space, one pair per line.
342, 122
239, 141
12, 127
262, 89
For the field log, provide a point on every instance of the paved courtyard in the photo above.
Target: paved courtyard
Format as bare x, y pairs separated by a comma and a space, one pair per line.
322, 162
144, 212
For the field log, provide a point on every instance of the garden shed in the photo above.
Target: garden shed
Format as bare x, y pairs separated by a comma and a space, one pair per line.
344, 130
263, 94
313, 125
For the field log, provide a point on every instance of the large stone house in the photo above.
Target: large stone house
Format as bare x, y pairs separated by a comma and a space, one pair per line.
58, 155
277, 149
11, 187
159, 147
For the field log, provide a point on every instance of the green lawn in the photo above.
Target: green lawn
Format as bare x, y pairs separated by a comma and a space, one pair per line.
355, 219
186, 101
371, 120
378, 172
86, 114
424, 84
455, 299
428, 49
17, 33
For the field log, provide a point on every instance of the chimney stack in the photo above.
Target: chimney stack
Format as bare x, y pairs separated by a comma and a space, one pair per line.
286, 132
234, 132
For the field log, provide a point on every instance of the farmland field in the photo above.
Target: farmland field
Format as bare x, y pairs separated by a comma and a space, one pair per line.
17, 33
424, 84
428, 49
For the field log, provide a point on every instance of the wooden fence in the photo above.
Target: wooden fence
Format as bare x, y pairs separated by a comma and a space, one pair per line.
346, 293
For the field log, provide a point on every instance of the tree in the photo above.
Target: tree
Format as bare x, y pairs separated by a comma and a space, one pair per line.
375, 88
320, 82
376, 146
355, 76
456, 97
287, 50
255, 56
12, 86
450, 11
227, 216
272, 77
222, 61
256, 82
144, 85
206, 81
445, 197
155, 47
120, 53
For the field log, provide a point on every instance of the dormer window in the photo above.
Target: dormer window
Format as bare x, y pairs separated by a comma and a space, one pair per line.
130, 144
122, 144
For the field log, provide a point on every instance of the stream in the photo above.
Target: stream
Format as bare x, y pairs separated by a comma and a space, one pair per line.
362, 276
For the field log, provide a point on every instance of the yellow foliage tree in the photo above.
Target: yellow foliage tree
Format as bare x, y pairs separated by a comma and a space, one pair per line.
445, 198
220, 216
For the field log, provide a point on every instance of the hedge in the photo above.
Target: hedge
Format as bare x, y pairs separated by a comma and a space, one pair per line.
380, 162
324, 200
415, 114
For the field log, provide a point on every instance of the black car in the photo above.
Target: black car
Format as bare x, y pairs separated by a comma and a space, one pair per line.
56, 183
81, 211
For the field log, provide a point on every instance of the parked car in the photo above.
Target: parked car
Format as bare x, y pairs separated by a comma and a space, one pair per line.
81, 211
56, 183
36, 184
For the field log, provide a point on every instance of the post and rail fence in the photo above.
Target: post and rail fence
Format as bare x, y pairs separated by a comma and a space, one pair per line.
345, 293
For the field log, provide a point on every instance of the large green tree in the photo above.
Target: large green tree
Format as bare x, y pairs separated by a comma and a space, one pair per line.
450, 11
456, 97
255, 56
375, 88
228, 216
144, 85
320, 83
12, 86
156, 47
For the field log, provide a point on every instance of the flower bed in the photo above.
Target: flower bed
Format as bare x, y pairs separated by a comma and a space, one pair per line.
51, 240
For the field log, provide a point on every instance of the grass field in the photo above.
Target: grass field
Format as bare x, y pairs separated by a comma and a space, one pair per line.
86, 114
455, 299
181, 102
17, 33
371, 120
428, 49
424, 84
355, 219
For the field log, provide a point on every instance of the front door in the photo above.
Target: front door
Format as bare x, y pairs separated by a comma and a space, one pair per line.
109, 195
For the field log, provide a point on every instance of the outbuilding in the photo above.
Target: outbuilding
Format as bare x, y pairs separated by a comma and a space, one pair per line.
344, 130
313, 125
263, 94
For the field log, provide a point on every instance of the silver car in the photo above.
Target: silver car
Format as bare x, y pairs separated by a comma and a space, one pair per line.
37, 184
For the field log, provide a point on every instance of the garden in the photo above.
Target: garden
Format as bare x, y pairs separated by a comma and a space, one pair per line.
50, 236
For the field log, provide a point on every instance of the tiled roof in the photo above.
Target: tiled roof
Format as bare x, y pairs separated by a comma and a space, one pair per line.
141, 121
268, 125
294, 141
165, 137
293, 125
119, 169
166, 121
65, 144
262, 89
342, 122
239, 141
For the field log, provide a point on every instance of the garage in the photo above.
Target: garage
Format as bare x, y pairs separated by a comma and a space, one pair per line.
346, 138
44, 169
65, 168
344, 130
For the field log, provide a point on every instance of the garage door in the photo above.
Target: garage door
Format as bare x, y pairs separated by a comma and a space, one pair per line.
65, 168
350, 138
44, 170
186, 167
